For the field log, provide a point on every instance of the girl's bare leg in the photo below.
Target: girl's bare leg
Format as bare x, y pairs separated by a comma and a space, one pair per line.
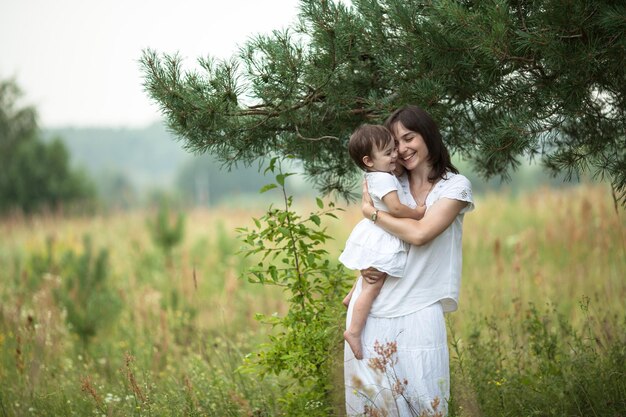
360, 312
346, 301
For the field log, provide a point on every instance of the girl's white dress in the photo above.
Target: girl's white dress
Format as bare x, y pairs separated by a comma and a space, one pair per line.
370, 246
405, 369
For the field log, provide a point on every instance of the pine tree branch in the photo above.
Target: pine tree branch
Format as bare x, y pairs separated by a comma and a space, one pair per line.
314, 139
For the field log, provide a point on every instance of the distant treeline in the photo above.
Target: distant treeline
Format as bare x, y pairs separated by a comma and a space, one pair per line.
130, 165
134, 166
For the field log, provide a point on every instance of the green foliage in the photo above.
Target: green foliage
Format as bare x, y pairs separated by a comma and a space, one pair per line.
34, 174
544, 366
306, 339
167, 229
505, 79
86, 293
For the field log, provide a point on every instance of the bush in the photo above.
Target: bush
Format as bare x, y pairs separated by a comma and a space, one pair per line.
306, 341
86, 294
167, 229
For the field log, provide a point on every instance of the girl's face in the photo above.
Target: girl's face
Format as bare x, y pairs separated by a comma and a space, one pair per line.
412, 150
383, 160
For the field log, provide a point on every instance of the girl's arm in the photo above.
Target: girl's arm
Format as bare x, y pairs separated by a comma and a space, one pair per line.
372, 275
397, 209
417, 232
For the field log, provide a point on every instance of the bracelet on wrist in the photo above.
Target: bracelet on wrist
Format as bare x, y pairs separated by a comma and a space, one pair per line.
374, 216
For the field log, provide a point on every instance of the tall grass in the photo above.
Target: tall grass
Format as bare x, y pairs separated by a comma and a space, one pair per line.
541, 314
542, 326
185, 324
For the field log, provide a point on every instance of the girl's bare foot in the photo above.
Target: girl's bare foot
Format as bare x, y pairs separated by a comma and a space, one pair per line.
355, 343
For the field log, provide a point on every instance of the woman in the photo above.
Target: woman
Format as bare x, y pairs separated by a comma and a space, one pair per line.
405, 370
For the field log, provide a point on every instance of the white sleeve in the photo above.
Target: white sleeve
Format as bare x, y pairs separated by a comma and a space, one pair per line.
459, 188
379, 184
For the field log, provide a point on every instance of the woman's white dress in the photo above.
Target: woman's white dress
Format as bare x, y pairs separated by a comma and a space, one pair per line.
405, 369
371, 246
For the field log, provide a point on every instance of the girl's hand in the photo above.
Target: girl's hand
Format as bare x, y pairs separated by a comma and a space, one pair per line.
367, 205
399, 170
372, 275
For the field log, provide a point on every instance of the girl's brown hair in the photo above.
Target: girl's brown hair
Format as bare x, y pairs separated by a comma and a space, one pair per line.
363, 140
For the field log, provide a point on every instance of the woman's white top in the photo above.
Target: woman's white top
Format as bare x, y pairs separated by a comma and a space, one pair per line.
433, 271
369, 245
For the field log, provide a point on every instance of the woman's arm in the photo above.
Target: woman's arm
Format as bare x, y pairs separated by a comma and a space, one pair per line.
416, 232
397, 209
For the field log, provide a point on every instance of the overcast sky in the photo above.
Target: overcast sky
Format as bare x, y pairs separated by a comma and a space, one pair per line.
77, 60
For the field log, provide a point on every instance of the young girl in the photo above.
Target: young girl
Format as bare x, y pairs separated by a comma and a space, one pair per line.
373, 149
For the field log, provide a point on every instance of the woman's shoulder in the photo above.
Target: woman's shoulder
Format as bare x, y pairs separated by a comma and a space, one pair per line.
450, 179
456, 187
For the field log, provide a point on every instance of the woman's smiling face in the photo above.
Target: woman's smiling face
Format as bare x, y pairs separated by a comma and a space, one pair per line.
412, 150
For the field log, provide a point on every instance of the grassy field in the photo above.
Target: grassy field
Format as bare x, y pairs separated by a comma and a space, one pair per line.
140, 333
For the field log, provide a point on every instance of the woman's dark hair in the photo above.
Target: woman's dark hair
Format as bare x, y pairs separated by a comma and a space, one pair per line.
364, 139
418, 120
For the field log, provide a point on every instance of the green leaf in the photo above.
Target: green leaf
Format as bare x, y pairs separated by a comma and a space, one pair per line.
272, 165
320, 203
267, 188
316, 219
273, 272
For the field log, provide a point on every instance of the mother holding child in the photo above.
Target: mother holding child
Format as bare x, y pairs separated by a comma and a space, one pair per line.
408, 250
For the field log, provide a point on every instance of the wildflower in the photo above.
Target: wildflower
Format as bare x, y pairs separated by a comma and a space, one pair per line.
357, 383
371, 411
435, 403
399, 387
132, 380
109, 398
88, 388
312, 405
385, 356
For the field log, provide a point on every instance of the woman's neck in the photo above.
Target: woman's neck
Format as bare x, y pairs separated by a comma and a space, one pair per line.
420, 184
420, 175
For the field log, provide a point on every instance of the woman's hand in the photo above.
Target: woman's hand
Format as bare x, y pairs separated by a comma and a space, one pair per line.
367, 205
372, 275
